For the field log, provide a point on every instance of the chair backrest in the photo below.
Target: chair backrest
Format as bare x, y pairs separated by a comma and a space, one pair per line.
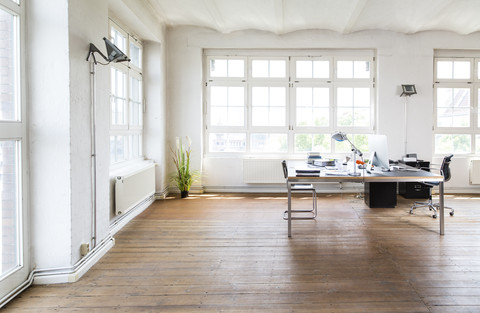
285, 169
445, 168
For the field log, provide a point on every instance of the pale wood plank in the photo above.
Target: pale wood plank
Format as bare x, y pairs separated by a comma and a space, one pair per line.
230, 253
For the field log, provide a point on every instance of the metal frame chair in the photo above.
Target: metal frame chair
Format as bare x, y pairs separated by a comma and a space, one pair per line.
312, 213
446, 173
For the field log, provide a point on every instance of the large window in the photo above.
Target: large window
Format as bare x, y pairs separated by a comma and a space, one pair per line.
287, 103
14, 245
457, 90
126, 99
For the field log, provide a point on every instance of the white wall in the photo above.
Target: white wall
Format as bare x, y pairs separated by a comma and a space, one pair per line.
401, 59
49, 133
155, 147
59, 101
184, 94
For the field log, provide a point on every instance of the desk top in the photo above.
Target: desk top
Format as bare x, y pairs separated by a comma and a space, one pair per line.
411, 175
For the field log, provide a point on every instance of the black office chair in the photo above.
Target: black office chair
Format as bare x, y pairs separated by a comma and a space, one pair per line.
446, 173
312, 213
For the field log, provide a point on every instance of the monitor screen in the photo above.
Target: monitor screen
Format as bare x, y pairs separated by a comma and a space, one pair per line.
378, 147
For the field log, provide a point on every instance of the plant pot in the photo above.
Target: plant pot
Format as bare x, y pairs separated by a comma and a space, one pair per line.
184, 193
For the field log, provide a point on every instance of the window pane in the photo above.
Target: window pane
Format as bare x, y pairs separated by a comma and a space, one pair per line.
453, 107
344, 69
321, 69
478, 111
227, 68
236, 68
353, 69
269, 106
452, 143
118, 98
227, 106
135, 55
135, 146
118, 150
312, 106
304, 69
259, 68
135, 90
218, 68
136, 114
461, 70
345, 117
353, 107
453, 69
227, 142
9, 89
118, 39
277, 68
10, 206
312, 142
269, 68
359, 140
269, 143
444, 69
361, 69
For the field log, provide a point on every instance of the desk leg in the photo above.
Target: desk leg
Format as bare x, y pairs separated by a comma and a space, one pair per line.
289, 188
441, 209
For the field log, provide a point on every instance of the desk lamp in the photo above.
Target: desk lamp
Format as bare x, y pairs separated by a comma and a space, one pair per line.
341, 136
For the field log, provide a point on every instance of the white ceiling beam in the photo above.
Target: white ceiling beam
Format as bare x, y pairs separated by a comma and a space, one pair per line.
357, 10
159, 11
216, 15
279, 11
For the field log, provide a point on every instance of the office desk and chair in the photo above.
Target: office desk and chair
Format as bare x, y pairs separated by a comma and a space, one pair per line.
309, 176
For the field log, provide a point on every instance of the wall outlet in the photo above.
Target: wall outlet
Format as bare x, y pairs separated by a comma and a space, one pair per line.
84, 249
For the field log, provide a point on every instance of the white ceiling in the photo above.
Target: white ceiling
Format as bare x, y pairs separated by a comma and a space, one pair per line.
343, 16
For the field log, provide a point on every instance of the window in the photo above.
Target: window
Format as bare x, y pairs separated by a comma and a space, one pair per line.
14, 240
456, 116
126, 99
286, 104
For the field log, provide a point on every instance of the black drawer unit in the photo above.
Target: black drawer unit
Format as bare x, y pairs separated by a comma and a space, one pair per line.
380, 195
415, 190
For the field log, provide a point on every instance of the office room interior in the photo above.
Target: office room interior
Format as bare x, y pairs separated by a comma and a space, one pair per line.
67, 219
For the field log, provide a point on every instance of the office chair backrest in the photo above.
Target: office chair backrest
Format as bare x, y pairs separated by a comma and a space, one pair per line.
445, 169
285, 169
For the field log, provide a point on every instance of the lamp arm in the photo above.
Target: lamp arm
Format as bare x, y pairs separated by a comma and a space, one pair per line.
355, 149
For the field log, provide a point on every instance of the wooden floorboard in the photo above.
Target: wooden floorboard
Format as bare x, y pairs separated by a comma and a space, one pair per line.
231, 253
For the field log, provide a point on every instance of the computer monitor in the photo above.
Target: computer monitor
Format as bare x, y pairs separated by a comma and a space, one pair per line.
378, 147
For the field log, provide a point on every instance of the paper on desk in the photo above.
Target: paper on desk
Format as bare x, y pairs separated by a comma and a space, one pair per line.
336, 173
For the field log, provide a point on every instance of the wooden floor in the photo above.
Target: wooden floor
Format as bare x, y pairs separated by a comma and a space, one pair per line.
230, 253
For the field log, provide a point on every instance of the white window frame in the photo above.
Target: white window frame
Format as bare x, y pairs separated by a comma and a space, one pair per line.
291, 82
472, 83
16, 130
128, 129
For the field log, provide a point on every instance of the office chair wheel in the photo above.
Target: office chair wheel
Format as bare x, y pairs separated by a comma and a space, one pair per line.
452, 213
434, 215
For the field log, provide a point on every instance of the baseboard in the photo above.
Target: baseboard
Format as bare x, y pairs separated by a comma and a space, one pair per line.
162, 194
123, 220
259, 188
193, 190
74, 273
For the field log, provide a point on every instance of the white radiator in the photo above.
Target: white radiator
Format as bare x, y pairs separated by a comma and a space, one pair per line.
474, 172
262, 171
134, 188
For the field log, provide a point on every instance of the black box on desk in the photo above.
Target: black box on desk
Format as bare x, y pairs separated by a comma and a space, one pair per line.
381, 195
414, 190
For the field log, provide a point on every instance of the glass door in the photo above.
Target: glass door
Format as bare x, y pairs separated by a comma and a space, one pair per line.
14, 256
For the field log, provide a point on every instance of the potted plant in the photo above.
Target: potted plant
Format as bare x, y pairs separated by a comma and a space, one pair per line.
183, 177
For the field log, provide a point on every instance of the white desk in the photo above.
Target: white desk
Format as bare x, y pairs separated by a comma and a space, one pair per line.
374, 176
